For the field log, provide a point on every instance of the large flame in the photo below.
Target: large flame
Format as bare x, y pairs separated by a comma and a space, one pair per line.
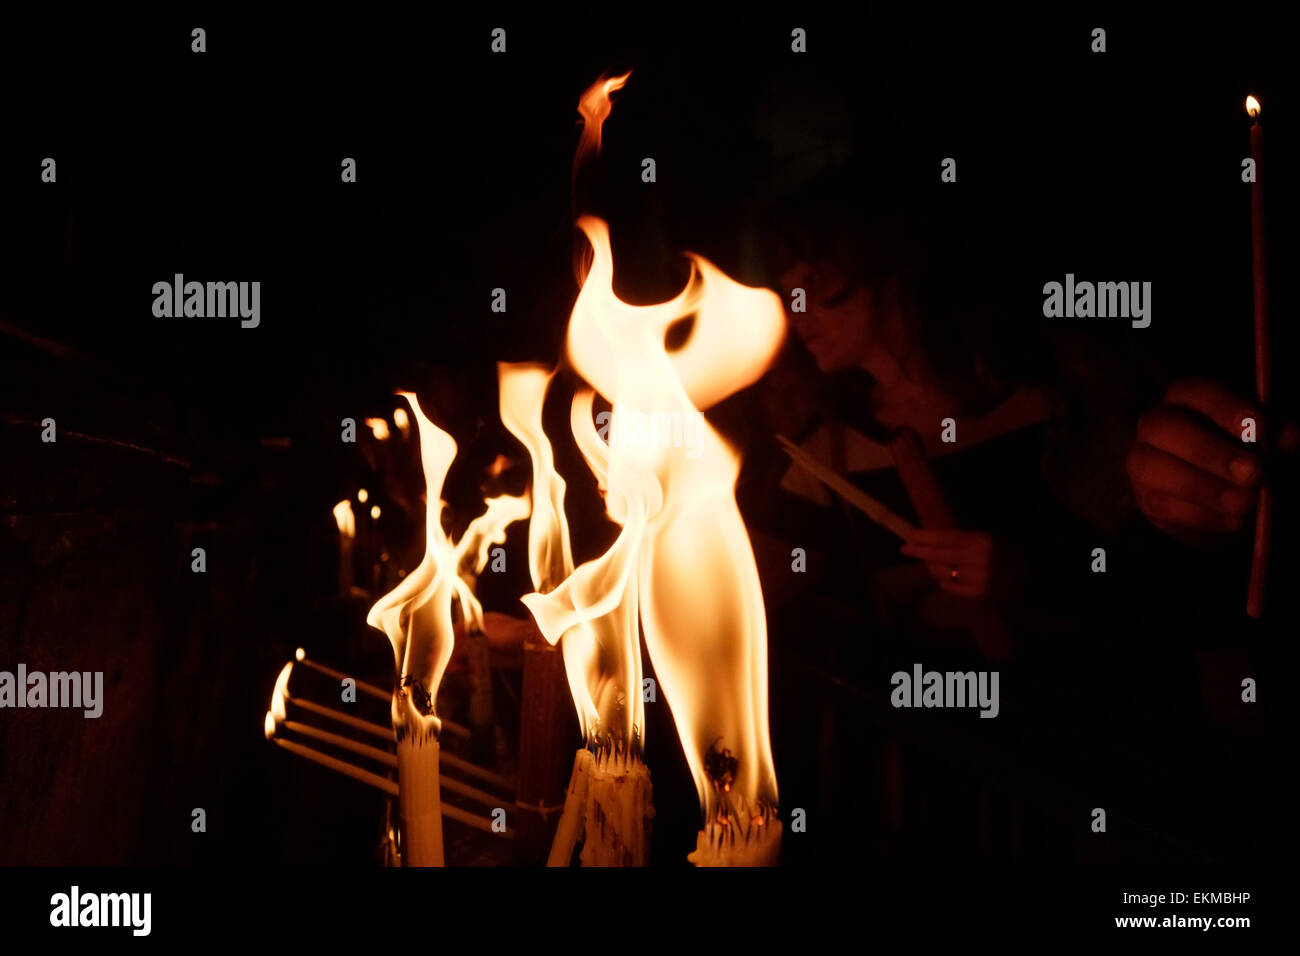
683, 559
417, 614
602, 655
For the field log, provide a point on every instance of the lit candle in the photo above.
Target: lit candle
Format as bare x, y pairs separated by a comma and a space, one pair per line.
333, 763
1263, 369
347, 525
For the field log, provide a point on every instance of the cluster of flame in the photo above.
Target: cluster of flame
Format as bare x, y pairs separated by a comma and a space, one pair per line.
681, 571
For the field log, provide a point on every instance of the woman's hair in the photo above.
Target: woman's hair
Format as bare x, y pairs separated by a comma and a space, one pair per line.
939, 250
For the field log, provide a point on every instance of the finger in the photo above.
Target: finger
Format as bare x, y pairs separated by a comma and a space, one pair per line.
1168, 511
1154, 470
1216, 402
1180, 433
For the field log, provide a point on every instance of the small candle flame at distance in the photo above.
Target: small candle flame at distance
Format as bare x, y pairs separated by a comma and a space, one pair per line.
1252, 107
268, 726
345, 519
402, 421
378, 427
362, 495
299, 654
374, 512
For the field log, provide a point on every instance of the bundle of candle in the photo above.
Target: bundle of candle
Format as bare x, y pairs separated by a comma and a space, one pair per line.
608, 803
607, 809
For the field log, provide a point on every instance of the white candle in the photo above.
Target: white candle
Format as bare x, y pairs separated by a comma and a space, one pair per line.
607, 807
420, 800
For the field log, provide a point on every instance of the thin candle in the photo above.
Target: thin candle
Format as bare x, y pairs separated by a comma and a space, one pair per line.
329, 712
388, 759
374, 780
333, 763
338, 740
1263, 363
366, 688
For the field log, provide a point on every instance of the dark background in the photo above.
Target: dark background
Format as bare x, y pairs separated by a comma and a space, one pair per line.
225, 166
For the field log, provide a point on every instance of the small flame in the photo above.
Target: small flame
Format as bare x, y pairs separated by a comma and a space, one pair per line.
378, 427
375, 512
416, 615
594, 107
362, 495
280, 696
402, 422
300, 654
268, 726
1252, 107
345, 519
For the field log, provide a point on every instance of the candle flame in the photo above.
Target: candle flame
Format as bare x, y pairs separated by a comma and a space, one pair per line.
268, 725
378, 427
402, 422
682, 562
300, 654
417, 614
345, 519
1252, 107
280, 696
523, 392
375, 512
595, 107
475, 546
